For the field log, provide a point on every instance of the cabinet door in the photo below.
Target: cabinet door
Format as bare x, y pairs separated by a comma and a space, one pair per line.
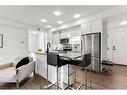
71, 32
86, 28
41, 65
96, 26
65, 34
75, 31
52, 73
56, 38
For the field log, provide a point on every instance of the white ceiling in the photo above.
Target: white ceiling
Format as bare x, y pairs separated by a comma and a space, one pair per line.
115, 20
33, 14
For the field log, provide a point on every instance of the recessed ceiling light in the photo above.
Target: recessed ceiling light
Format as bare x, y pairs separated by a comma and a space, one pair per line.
123, 23
52, 29
59, 22
57, 13
48, 26
34, 32
77, 15
43, 20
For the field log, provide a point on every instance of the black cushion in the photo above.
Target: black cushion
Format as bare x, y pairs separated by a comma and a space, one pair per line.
76, 62
64, 61
53, 59
86, 61
22, 62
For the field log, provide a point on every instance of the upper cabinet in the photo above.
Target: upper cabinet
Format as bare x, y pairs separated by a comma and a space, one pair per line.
71, 32
56, 38
91, 27
96, 26
75, 31
75, 40
64, 34
86, 28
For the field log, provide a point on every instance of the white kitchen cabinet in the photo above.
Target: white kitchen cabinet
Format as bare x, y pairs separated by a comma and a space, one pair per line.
75, 40
92, 27
41, 60
71, 32
56, 38
96, 26
86, 28
64, 34
41, 64
52, 73
75, 31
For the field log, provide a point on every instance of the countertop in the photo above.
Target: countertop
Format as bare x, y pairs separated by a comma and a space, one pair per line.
50, 51
66, 55
42, 53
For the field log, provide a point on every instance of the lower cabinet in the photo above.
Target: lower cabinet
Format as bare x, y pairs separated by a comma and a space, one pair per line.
41, 65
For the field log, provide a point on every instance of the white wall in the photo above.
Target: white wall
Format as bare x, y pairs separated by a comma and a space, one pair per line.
110, 42
14, 23
33, 42
56, 38
37, 40
42, 40
118, 38
12, 41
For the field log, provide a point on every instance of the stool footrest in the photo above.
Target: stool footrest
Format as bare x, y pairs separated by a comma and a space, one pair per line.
63, 87
48, 86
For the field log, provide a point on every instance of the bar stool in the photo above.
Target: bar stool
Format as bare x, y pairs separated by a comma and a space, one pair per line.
83, 64
107, 66
53, 59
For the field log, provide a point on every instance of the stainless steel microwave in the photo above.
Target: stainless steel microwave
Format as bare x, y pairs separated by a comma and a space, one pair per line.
64, 41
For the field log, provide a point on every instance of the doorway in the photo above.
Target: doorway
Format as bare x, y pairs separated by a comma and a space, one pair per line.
118, 47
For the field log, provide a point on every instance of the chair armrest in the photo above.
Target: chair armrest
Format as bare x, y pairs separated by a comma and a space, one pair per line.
25, 70
5, 65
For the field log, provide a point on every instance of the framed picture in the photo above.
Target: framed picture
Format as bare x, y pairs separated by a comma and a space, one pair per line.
1, 40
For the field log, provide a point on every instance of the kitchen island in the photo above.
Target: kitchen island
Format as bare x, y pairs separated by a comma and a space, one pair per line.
41, 68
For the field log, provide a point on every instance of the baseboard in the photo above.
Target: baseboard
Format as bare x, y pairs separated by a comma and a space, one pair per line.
119, 64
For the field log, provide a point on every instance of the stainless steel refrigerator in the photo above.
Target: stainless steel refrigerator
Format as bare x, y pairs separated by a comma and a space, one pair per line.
91, 43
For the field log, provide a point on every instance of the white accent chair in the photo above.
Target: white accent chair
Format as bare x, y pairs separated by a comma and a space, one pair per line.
9, 73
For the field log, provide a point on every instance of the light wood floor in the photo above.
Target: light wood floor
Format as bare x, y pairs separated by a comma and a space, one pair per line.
116, 80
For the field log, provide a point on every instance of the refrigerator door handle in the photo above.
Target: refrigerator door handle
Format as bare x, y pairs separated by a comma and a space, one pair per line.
81, 44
